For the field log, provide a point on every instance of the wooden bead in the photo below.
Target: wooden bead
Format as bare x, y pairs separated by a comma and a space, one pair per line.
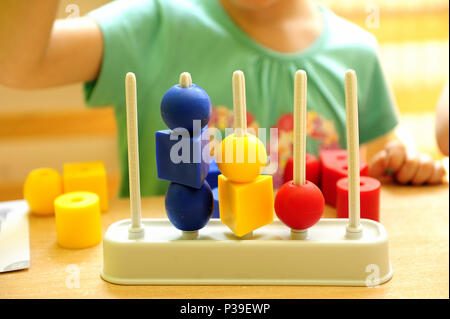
299, 206
180, 106
87, 177
241, 159
41, 188
189, 209
369, 198
78, 220
180, 159
334, 166
245, 207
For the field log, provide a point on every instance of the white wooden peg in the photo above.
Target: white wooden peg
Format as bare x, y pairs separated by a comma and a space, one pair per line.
136, 230
300, 92
185, 80
354, 229
240, 110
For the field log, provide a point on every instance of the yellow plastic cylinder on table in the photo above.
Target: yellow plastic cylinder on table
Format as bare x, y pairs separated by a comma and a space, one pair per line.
78, 220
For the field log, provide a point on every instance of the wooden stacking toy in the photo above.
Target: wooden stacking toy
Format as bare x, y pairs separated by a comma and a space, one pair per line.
369, 191
299, 203
189, 200
336, 251
334, 166
312, 170
180, 155
87, 177
245, 196
41, 188
78, 220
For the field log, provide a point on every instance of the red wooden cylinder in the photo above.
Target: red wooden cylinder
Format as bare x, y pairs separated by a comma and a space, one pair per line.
334, 167
369, 198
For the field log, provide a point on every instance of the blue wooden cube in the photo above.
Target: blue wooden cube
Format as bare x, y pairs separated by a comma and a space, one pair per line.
213, 174
182, 158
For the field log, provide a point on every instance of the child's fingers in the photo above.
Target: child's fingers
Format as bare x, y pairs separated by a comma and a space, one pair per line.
425, 170
396, 155
406, 173
378, 165
438, 174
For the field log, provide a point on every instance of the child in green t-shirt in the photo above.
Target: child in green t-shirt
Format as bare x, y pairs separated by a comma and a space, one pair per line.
157, 40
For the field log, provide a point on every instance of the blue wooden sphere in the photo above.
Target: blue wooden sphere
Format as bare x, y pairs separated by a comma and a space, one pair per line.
181, 106
189, 208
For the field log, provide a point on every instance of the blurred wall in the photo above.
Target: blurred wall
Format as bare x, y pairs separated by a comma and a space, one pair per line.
49, 127
413, 37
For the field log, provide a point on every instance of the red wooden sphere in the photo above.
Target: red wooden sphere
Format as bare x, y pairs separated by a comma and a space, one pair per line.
299, 206
312, 168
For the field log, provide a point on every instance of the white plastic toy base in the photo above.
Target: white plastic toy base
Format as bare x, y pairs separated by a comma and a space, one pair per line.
217, 257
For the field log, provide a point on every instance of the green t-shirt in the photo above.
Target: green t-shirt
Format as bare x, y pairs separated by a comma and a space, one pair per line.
159, 39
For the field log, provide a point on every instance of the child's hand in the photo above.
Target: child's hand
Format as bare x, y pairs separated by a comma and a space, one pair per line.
395, 164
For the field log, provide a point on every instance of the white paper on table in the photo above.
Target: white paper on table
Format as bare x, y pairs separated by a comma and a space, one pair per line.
14, 236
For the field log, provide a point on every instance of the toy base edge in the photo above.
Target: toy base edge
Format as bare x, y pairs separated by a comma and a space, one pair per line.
124, 257
249, 282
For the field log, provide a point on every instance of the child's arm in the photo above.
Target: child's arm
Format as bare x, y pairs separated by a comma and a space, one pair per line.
393, 162
35, 52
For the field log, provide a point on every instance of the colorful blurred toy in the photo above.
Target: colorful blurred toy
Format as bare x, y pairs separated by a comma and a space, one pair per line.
333, 251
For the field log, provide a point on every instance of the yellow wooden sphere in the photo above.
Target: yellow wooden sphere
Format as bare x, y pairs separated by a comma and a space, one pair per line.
241, 159
41, 188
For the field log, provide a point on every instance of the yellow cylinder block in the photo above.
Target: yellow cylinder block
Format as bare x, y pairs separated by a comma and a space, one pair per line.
241, 159
41, 188
78, 221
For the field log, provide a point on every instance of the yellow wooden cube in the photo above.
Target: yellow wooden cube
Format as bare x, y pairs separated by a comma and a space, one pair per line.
245, 207
88, 177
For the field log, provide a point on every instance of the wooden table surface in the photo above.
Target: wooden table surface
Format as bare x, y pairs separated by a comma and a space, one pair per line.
416, 219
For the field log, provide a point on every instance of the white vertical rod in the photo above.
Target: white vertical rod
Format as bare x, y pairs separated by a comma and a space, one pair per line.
354, 229
300, 128
135, 229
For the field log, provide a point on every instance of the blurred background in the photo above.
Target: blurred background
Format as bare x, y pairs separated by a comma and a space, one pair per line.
46, 128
